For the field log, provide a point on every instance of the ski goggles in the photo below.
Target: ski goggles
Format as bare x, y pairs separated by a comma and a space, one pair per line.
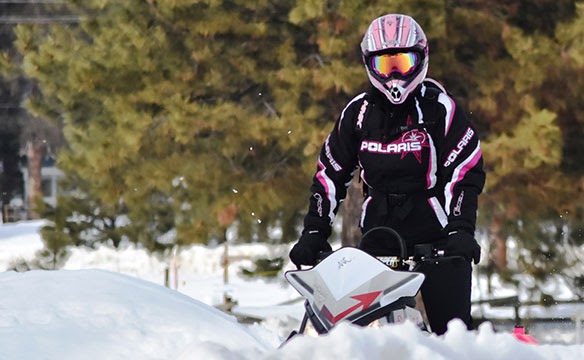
386, 64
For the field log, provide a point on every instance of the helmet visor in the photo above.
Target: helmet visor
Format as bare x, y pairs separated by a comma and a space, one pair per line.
403, 63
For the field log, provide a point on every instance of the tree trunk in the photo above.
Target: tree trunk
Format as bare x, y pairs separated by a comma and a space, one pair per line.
35, 150
499, 249
350, 232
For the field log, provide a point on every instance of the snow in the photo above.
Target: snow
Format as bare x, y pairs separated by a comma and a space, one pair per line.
111, 304
72, 313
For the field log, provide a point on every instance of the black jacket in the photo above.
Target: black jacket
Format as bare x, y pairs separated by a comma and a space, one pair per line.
420, 163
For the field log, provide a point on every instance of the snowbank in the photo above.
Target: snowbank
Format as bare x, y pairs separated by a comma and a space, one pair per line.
97, 314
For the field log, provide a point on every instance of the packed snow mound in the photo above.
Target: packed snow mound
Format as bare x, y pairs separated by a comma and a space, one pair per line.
406, 341
97, 314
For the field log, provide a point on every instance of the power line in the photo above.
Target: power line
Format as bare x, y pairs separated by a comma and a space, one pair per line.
36, 19
70, 19
16, 2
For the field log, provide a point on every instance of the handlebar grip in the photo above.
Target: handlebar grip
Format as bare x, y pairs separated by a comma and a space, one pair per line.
319, 257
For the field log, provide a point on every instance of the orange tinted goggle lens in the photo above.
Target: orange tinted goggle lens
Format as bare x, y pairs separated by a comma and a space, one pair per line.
386, 64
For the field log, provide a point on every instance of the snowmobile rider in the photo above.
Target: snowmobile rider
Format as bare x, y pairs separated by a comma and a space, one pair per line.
420, 163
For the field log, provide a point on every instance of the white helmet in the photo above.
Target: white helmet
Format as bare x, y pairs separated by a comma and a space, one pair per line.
395, 53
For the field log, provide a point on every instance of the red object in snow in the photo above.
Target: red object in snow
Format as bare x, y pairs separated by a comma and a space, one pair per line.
519, 333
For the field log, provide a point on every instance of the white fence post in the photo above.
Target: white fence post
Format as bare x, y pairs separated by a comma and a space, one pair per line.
579, 319
175, 265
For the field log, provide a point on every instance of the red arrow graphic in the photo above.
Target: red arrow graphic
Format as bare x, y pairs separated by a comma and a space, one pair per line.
364, 300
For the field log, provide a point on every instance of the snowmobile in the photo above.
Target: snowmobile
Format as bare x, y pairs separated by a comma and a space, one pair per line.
367, 287
363, 285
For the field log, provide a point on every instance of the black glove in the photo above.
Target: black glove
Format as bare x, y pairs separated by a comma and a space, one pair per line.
462, 243
306, 250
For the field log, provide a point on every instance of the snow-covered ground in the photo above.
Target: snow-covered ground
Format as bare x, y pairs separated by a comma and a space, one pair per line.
108, 304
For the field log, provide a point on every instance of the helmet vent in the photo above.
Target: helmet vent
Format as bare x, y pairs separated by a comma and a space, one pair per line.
395, 93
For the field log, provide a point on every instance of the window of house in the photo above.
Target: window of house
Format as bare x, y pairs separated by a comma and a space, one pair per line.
47, 187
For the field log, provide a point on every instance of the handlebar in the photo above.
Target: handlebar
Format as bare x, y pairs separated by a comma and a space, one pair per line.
423, 253
396, 236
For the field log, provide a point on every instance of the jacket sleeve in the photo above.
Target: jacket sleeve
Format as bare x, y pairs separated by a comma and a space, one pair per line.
460, 165
335, 169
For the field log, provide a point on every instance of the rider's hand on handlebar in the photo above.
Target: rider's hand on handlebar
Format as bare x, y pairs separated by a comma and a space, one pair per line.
462, 243
305, 251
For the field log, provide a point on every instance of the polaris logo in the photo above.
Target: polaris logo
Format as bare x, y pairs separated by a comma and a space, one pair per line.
410, 142
459, 147
329, 155
381, 148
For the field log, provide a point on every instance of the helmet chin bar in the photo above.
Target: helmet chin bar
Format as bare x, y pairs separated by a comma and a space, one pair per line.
395, 90
393, 93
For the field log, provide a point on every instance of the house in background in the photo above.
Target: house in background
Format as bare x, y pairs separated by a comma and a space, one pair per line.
17, 209
49, 184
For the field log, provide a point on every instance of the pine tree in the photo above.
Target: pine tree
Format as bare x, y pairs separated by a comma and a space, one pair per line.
182, 111
527, 110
